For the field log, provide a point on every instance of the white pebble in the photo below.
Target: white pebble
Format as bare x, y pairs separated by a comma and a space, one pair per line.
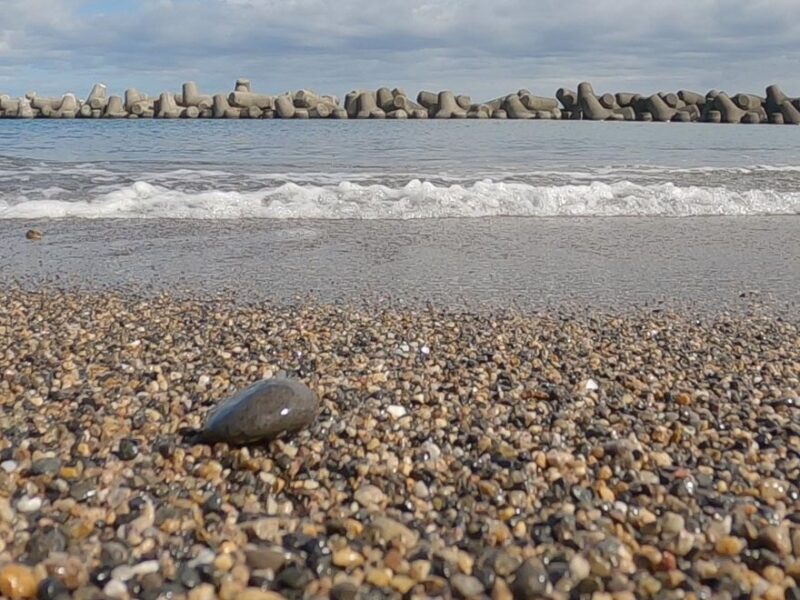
396, 411
205, 557
115, 589
27, 504
591, 385
9, 466
122, 573
146, 567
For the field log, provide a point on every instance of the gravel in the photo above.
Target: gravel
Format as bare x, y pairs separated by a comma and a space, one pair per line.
558, 455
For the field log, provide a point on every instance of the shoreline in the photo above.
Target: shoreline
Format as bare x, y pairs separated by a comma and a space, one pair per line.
605, 263
503, 454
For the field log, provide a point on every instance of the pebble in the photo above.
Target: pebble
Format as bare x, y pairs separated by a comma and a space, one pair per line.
263, 411
347, 557
675, 478
26, 504
370, 497
9, 466
17, 582
730, 546
466, 586
33, 234
115, 588
128, 449
52, 589
396, 412
265, 558
46, 466
530, 580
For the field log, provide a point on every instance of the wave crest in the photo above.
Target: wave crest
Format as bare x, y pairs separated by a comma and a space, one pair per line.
415, 200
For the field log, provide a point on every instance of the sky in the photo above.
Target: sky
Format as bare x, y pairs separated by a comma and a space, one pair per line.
485, 48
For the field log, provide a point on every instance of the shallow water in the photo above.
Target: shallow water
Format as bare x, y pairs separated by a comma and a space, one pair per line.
398, 170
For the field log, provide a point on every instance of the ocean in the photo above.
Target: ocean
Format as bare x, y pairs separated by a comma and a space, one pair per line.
487, 210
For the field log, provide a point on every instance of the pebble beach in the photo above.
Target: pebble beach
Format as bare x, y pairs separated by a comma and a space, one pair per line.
456, 454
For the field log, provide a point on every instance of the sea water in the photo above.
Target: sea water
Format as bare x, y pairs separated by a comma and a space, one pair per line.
274, 169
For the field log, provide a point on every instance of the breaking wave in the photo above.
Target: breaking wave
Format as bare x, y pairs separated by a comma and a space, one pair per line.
416, 199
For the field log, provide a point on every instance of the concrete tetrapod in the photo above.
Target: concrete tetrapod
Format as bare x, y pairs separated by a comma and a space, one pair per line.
24, 109
243, 85
748, 101
775, 98
692, 98
351, 103
626, 98
448, 108
167, 107
537, 103
223, 110
607, 101
248, 99
729, 111
98, 97
594, 111
115, 108
193, 97
568, 99
132, 96
145, 108
384, 99
515, 109
660, 110
368, 107
463, 101
284, 107
791, 116
67, 109
45, 104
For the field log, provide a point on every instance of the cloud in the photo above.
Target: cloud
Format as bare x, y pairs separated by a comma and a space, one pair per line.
481, 48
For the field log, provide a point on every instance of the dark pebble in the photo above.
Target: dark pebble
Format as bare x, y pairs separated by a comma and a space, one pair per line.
46, 466
530, 580
128, 449
293, 577
213, 504
792, 593
51, 589
344, 591
113, 554
189, 577
83, 490
42, 543
263, 411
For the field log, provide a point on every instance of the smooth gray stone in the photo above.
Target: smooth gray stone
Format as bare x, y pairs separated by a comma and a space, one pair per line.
263, 411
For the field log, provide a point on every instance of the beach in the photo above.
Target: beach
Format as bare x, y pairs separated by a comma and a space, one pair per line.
543, 371
496, 453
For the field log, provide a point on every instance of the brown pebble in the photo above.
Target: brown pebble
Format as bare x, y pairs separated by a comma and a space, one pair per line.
730, 546
34, 234
17, 582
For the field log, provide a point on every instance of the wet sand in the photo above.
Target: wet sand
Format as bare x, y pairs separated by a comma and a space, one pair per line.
501, 262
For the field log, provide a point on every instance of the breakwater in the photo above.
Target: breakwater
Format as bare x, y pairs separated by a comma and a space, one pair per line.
582, 103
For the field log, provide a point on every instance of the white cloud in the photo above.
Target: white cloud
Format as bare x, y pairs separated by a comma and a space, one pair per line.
481, 48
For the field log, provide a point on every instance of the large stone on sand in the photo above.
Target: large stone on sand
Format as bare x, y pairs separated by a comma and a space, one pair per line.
261, 412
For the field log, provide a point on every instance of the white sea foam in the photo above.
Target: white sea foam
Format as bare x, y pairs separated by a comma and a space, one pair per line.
415, 200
